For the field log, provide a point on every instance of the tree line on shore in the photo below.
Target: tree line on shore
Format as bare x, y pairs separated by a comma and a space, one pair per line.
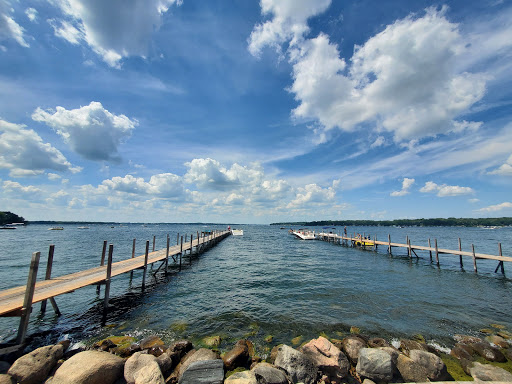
9, 217
435, 222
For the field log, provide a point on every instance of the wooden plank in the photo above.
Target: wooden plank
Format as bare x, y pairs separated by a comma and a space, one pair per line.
11, 300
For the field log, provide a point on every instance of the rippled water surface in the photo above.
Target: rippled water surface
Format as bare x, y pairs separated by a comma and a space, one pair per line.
267, 283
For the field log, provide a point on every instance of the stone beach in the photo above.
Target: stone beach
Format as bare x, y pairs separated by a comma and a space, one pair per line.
353, 359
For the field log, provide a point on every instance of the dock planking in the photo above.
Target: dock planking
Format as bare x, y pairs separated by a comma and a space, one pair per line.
333, 237
18, 301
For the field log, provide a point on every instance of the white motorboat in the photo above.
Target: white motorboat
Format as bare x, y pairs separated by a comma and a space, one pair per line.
237, 232
304, 234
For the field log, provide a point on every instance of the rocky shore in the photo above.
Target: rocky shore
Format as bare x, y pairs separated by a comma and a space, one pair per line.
352, 359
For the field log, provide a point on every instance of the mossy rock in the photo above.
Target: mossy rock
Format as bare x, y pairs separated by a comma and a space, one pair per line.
121, 340
487, 331
239, 369
498, 326
269, 338
340, 334
505, 334
179, 326
297, 340
324, 335
454, 368
211, 341
419, 338
355, 330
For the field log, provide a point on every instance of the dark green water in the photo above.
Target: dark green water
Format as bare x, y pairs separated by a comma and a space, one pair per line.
268, 283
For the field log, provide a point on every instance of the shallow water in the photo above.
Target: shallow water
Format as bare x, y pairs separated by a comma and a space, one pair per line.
267, 283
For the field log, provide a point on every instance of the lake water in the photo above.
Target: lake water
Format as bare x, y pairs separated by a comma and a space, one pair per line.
267, 283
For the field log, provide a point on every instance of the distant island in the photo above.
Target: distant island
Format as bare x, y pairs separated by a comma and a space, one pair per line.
9, 218
438, 222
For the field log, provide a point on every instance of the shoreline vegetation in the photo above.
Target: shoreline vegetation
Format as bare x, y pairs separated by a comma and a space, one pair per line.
346, 358
437, 222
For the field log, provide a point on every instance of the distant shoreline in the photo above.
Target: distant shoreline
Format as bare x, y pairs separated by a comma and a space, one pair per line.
437, 222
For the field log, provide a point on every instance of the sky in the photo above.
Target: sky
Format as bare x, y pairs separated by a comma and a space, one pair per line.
239, 111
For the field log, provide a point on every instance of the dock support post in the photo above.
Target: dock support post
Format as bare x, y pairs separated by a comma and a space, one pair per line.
409, 247
190, 254
154, 240
48, 276
145, 264
107, 280
181, 250
167, 254
29, 296
474, 258
437, 252
500, 264
430, 249
460, 256
102, 262
178, 239
389, 244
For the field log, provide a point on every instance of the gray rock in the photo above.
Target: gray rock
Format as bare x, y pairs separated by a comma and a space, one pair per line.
300, 367
245, 377
204, 372
329, 360
268, 374
407, 345
377, 342
434, 366
410, 370
34, 367
6, 379
375, 364
138, 361
90, 367
488, 352
202, 354
165, 362
487, 372
351, 345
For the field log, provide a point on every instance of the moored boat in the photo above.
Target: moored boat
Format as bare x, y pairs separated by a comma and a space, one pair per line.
237, 232
304, 234
56, 228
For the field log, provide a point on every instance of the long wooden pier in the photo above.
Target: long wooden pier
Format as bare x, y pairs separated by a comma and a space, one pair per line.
18, 301
369, 243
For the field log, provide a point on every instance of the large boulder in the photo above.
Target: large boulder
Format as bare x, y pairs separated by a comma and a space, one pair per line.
34, 367
204, 372
330, 361
462, 351
245, 377
375, 364
488, 352
497, 340
377, 342
434, 366
407, 345
487, 372
410, 370
6, 379
202, 354
149, 374
300, 367
268, 374
466, 339
139, 361
151, 341
90, 367
181, 347
351, 345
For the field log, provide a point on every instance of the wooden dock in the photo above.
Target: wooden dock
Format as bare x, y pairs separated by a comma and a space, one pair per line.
18, 301
411, 248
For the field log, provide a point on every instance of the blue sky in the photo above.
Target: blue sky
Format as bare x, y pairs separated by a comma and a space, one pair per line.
255, 112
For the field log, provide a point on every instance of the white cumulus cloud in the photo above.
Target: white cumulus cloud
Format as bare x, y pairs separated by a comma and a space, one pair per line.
505, 169
312, 194
406, 185
114, 29
24, 153
9, 28
91, 131
288, 22
31, 14
165, 185
446, 190
496, 208
405, 80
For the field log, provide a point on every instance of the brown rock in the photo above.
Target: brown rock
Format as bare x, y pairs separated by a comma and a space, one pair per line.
330, 361
6, 379
488, 352
180, 346
497, 340
434, 366
90, 367
460, 352
351, 346
465, 339
407, 345
273, 353
136, 363
34, 367
377, 342
410, 370
237, 357
487, 372
150, 341
157, 350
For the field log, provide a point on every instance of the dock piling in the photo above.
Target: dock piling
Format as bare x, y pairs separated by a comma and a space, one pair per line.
430, 249
29, 296
437, 252
145, 264
500, 264
460, 256
474, 258
108, 277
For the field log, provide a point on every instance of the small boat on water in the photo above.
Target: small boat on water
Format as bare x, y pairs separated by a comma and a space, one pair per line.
237, 232
304, 234
56, 228
363, 243
83, 228
7, 227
